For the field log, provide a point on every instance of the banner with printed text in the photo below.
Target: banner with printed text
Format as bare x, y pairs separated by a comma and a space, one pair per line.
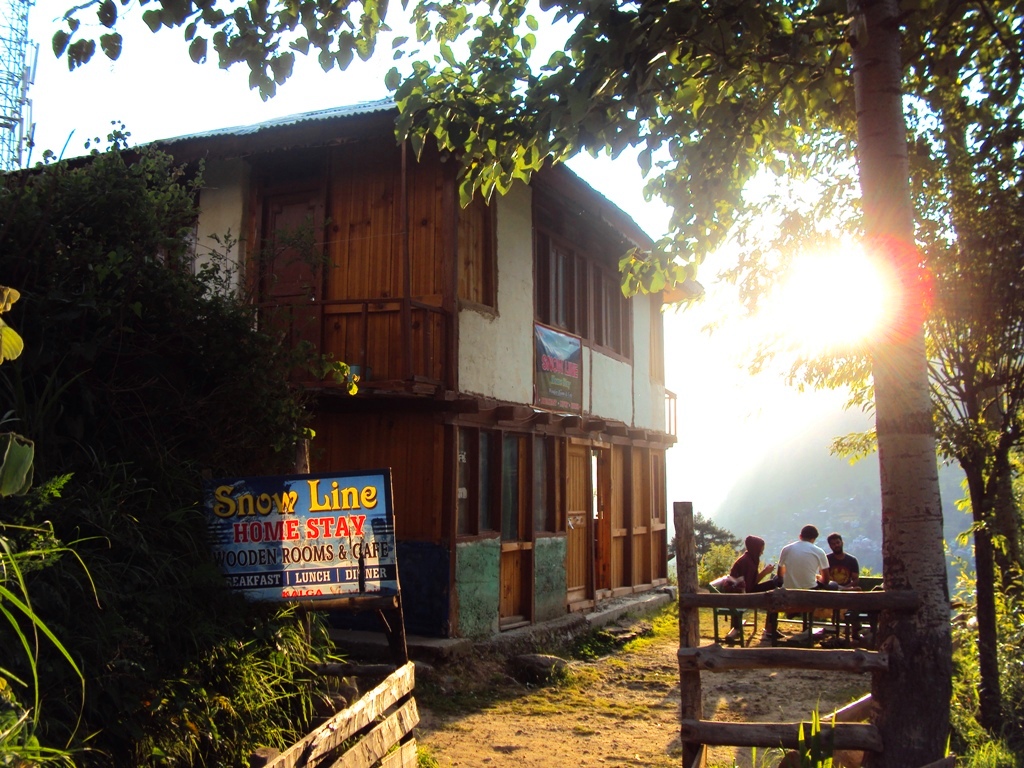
303, 537
558, 370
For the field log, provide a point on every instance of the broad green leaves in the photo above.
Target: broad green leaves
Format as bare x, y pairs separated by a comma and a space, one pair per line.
16, 456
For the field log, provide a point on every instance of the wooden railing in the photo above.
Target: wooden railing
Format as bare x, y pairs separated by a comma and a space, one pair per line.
387, 339
670, 412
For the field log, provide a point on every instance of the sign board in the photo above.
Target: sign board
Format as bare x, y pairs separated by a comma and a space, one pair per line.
558, 370
304, 537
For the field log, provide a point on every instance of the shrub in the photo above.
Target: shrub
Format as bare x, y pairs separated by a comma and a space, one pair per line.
140, 371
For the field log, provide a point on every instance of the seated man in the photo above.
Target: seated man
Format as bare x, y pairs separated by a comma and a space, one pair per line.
843, 569
802, 565
747, 568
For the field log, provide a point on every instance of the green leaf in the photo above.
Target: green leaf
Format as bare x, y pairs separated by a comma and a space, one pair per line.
392, 79
107, 13
111, 45
11, 344
197, 50
153, 20
17, 454
60, 42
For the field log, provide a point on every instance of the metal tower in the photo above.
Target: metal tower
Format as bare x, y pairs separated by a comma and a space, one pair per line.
16, 74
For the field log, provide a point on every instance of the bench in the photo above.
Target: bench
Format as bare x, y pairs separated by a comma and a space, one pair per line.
730, 614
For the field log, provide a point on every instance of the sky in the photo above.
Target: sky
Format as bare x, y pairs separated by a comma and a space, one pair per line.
727, 420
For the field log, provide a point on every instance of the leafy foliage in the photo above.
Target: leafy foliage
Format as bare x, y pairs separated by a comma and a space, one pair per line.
716, 562
979, 746
142, 369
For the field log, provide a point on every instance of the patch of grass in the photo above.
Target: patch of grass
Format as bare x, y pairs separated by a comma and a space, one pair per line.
426, 759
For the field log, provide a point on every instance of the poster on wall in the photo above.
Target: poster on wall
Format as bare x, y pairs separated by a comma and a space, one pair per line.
558, 370
304, 537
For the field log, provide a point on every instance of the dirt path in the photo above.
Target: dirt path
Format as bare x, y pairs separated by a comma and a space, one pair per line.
620, 710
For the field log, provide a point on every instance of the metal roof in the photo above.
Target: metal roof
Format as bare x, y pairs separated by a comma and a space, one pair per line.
333, 113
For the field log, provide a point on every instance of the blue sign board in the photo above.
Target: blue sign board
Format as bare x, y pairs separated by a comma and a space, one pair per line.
304, 537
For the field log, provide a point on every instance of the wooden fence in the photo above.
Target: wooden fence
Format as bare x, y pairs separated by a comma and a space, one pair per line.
696, 732
375, 732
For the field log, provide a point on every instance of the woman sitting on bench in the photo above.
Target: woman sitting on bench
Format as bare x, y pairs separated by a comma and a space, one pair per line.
745, 570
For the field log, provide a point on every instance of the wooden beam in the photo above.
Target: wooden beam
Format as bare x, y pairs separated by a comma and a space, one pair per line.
805, 600
568, 422
594, 425
465, 405
617, 430
715, 658
512, 413
638, 434
786, 735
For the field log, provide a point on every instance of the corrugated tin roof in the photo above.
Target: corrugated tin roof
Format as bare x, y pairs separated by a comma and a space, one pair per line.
354, 110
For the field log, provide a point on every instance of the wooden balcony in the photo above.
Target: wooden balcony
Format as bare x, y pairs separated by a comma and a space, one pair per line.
394, 343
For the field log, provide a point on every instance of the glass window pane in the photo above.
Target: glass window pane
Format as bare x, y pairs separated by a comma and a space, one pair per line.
484, 476
465, 475
541, 521
510, 489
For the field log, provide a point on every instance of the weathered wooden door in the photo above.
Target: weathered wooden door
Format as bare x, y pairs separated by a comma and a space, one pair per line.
290, 264
577, 502
516, 595
602, 519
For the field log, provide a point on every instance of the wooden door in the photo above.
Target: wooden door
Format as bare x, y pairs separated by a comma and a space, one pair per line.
516, 577
577, 502
290, 264
602, 463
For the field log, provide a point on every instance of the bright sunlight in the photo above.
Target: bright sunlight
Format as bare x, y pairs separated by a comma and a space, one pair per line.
829, 301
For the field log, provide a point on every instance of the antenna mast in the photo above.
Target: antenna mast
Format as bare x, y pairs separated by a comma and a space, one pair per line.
16, 75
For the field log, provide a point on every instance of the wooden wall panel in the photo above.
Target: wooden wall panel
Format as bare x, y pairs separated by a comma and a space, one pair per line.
411, 444
364, 229
367, 229
426, 227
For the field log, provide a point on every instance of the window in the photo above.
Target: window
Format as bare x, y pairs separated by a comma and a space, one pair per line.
513, 488
580, 296
657, 340
505, 482
543, 484
477, 284
476, 463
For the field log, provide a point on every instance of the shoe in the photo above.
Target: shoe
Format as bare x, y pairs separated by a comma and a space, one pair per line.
772, 634
733, 636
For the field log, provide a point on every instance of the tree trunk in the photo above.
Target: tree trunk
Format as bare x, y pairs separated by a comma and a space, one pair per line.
989, 698
1006, 522
920, 644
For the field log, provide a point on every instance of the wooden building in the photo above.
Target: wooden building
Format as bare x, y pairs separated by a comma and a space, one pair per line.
526, 483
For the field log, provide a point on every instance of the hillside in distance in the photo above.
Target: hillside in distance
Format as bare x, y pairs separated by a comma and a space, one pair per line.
801, 483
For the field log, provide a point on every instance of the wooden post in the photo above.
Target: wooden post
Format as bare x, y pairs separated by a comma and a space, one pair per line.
689, 622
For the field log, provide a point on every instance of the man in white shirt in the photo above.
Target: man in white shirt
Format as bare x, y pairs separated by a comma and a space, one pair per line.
802, 565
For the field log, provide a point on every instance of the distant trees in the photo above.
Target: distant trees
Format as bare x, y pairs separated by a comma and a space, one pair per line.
706, 534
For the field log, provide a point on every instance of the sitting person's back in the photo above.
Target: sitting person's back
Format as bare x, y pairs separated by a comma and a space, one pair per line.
802, 564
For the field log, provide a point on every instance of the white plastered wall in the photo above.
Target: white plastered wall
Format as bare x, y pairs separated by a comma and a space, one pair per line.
222, 204
496, 351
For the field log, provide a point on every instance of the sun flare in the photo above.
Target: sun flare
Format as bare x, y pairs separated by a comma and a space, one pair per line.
828, 302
